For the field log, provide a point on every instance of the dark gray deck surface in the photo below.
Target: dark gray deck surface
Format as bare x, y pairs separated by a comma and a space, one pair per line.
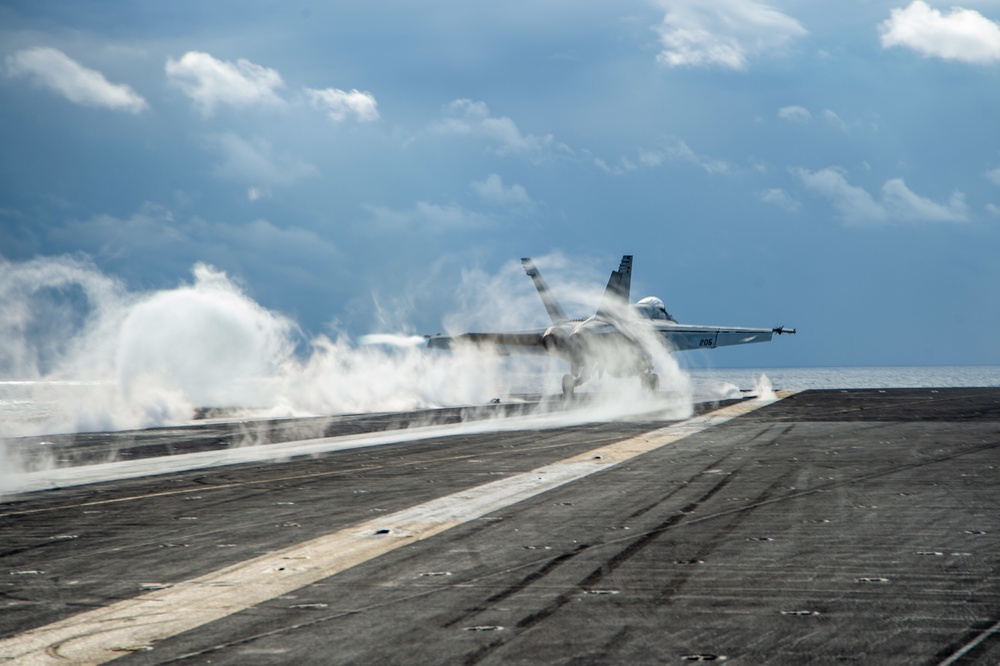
831, 527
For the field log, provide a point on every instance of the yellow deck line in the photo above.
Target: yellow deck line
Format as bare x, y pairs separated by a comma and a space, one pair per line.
104, 634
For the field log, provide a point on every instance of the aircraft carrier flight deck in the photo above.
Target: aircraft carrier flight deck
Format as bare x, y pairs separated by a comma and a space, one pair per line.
824, 527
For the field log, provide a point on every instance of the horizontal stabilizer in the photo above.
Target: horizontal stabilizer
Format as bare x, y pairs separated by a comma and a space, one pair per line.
556, 313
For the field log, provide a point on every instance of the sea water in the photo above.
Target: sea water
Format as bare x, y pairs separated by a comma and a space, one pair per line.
802, 379
25, 406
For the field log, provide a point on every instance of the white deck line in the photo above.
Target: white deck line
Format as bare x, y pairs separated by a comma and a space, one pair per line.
64, 477
104, 634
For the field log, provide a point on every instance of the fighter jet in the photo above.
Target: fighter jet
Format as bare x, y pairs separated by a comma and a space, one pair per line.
616, 340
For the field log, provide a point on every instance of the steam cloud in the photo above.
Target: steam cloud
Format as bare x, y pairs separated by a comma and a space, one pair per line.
83, 353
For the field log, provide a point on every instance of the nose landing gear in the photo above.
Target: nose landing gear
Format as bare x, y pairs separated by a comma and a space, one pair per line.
568, 384
650, 382
581, 372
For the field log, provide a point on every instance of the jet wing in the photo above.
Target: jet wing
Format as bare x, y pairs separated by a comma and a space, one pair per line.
516, 342
681, 337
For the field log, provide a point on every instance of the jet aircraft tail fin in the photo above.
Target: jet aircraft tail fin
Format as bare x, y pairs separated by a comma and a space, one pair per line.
556, 313
619, 288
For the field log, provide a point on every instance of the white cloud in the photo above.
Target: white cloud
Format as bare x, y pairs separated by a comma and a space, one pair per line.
626, 165
672, 149
835, 120
993, 175
154, 236
493, 191
798, 114
781, 199
677, 149
425, 217
896, 203
854, 203
902, 204
339, 104
993, 209
723, 33
211, 83
468, 118
258, 193
56, 71
962, 34
256, 162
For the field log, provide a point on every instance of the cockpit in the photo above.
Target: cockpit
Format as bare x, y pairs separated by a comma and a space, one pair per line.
652, 308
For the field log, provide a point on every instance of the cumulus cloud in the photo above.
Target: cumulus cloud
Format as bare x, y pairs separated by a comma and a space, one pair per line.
778, 197
671, 149
53, 69
210, 82
798, 114
465, 117
896, 202
339, 104
855, 204
158, 239
961, 34
678, 150
901, 203
258, 193
493, 191
256, 161
993, 175
835, 120
723, 33
425, 217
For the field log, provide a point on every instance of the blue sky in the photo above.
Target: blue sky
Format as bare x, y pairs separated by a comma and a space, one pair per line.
833, 166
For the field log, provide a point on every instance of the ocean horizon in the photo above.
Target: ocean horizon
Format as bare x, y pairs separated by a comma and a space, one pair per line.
857, 377
29, 406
